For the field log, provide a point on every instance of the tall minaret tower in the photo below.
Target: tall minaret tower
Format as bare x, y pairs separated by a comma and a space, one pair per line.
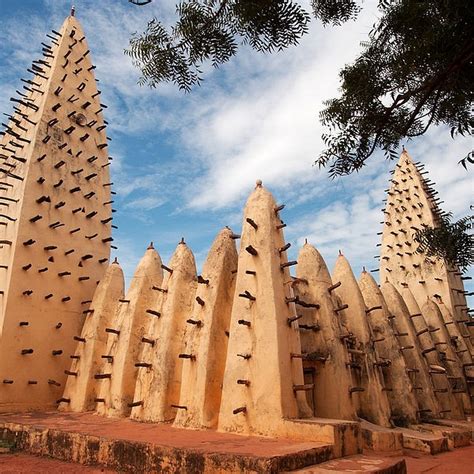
55, 219
411, 204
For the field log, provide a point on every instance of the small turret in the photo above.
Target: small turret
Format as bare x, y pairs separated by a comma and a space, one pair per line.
118, 373
158, 385
398, 384
207, 335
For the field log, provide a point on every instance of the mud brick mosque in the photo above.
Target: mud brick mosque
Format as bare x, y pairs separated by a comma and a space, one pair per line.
254, 350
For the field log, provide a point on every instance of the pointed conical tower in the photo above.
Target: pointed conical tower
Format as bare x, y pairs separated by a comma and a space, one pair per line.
400, 390
55, 219
207, 336
322, 343
412, 204
417, 367
81, 389
119, 371
263, 380
158, 384
373, 403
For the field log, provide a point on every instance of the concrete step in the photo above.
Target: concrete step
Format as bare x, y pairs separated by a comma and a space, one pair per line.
425, 442
344, 436
457, 437
463, 424
358, 464
128, 446
379, 439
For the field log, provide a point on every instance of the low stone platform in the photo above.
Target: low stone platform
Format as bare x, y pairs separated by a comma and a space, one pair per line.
379, 439
463, 424
426, 442
139, 447
457, 437
358, 464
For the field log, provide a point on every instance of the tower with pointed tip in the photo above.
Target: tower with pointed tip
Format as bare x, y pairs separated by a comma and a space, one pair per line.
398, 384
206, 337
159, 378
81, 389
412, 203
322, 338
263, 379
119, 370
373, 401
55, 219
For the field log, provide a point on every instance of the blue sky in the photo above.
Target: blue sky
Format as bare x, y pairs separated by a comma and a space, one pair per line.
184, 163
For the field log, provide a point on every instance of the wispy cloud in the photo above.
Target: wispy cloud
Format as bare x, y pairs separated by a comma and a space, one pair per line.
183, 164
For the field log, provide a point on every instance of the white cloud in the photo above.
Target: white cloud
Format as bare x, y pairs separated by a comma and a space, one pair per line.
256, 117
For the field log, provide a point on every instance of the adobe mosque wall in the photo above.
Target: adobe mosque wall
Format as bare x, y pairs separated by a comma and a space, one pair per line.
243, 347
292, 353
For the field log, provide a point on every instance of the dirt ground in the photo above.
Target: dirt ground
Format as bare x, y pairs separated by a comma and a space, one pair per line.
460, 461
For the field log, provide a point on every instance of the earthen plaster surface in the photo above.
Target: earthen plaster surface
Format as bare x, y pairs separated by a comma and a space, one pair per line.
332, 395
373, 402
81, 388
56, 219
206, 337
397, 382
119, 372
261, 338
158, 385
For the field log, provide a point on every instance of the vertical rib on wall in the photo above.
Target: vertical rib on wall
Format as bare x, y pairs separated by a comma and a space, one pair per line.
399, 387
119, 371
323, 349
263, 384
158, 385
81, 389
373, 402
207, 336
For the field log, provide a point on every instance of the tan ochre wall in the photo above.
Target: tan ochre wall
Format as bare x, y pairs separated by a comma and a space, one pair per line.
245, 347
207, 335
195, 351
333, 395
417, 367
460, 340
397, 382
119, 371
449, 406
55, 222
373, 402
158, 385
263, 383
441, 339
81, 389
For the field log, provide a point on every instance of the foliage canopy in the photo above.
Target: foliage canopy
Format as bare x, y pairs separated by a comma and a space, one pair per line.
451, 241
415, 70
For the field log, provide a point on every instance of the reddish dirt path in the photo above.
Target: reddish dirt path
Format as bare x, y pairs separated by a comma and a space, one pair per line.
459, 461
23, 463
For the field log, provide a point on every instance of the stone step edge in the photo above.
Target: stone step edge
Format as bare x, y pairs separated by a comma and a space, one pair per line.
135, 456
425, 442
370, 464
